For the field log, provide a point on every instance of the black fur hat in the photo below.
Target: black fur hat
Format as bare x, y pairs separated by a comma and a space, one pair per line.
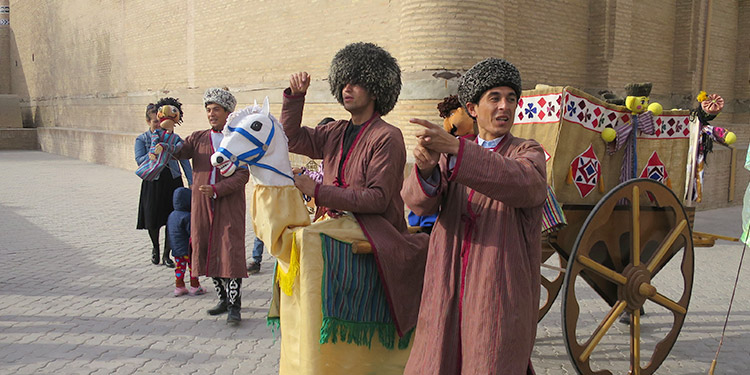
638, 89
485, 75
370, 66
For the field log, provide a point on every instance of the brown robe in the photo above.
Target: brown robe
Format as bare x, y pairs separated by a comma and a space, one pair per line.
217, 226
489, 325
373, 174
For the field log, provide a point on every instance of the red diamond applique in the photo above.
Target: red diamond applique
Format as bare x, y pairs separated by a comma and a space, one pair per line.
597, 111
586, 171
625, 119
541, 115
670, 132
655, 169
542, 102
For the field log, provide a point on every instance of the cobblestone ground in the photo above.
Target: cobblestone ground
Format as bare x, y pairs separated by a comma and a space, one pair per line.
80, 296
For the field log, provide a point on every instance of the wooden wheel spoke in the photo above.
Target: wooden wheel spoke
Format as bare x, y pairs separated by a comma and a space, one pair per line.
605, 325
635, 249
602, 270
546, 283
618, 251
668, 303
635, 342
668, 242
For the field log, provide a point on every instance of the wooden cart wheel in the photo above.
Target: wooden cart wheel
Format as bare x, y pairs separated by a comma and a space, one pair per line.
633, 233
552, 275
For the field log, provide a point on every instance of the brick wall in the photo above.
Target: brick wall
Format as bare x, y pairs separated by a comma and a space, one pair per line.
93, 66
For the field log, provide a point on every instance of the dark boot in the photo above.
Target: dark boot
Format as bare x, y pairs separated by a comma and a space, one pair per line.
155, 256
234, 300
154, 235
166, 260
220, 307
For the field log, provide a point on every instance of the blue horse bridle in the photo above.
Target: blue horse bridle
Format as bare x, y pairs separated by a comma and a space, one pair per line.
253, 156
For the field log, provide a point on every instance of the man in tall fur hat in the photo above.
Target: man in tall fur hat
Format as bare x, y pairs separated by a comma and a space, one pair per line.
363, 161
480, 312
217, 223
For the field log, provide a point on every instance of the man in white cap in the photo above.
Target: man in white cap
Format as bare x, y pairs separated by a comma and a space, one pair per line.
217, 225
479, 315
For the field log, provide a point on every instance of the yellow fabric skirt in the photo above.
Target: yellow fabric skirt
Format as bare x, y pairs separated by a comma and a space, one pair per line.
301, 311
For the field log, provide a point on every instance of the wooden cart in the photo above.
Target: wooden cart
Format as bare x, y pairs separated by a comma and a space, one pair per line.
619, 236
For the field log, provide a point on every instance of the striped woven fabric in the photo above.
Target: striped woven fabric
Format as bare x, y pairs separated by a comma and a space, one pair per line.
354, 302
553, 216
150, 169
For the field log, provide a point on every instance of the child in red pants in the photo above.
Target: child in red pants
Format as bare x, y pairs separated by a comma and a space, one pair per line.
178, 230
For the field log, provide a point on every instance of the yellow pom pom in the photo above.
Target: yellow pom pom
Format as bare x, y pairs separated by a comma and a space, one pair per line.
609, 135
730, 138
701, 96
655, 108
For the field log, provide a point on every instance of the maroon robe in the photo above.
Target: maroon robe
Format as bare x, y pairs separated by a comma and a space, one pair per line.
373, 175
217, 226
479, 314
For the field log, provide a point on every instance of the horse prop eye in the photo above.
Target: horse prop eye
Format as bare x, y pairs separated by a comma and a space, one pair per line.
256, 125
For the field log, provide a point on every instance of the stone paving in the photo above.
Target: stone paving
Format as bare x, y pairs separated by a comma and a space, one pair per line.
78, 294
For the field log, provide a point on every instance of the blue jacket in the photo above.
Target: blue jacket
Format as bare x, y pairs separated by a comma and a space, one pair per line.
178, 223
143, 143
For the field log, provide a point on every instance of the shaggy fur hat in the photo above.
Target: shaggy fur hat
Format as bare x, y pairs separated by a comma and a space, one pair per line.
485, 75
221, 97
370, 66
638, 89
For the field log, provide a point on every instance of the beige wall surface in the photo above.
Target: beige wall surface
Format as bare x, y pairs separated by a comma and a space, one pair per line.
90, 67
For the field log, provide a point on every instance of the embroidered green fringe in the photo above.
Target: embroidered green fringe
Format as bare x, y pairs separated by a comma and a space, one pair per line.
274, 324
361, 334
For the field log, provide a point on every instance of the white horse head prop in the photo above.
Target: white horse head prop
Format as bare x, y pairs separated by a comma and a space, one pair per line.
254, 138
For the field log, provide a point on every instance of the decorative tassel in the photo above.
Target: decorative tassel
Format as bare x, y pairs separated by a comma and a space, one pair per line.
286, 280
334, 330
669, 183
601, 183
274, 324
570, 175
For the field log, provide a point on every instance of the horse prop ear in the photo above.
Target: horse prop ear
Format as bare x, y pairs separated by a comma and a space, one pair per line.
266, 107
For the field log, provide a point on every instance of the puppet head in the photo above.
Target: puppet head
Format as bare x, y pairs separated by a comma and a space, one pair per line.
710, 106
169, 112
456, 120
168, 116
371, 67
638, 100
